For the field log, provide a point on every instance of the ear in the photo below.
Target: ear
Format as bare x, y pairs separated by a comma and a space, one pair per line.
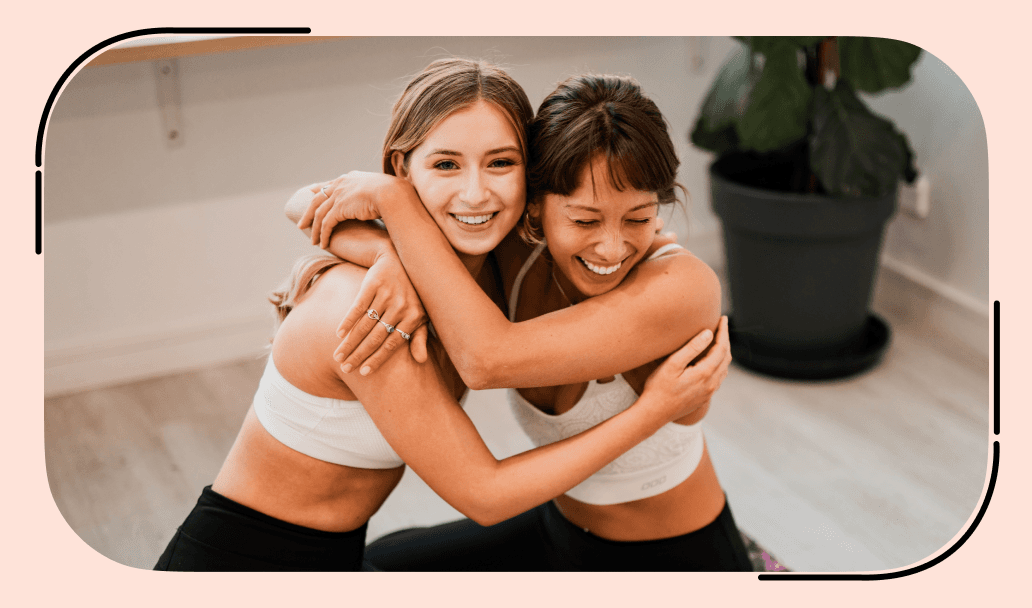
534, 208
398, 162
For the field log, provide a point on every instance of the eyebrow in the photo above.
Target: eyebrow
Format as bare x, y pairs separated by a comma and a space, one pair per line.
596, 210
489, 152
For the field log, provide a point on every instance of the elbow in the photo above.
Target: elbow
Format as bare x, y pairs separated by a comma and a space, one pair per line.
291, 211
484, 365
475, 374
485, 514
488, 520
710, 304
297, 204
481, 505
476, 383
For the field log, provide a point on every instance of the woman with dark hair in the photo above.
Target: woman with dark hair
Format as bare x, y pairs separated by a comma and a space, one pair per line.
319, 450
596, 300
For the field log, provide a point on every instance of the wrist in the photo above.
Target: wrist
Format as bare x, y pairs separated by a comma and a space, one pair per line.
649, 405
393, 193
385, 251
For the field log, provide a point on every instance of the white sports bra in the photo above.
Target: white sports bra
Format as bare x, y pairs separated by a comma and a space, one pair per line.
333, 430
652, 467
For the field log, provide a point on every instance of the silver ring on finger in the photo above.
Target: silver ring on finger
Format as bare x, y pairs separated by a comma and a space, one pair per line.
371, 313
325, 193
390, 328
403, 334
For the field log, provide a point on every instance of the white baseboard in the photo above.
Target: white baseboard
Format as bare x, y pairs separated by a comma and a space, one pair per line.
913, 300
93, 364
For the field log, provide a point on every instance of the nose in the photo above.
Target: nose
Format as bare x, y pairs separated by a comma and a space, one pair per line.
475, 192
611, 247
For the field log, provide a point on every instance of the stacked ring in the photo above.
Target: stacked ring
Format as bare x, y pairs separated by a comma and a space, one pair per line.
372, 314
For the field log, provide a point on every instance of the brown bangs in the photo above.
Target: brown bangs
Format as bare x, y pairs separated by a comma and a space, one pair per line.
591, 116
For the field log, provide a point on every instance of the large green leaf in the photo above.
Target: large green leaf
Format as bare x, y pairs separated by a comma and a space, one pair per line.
779, 104
720, 140
768, 44
726, 100
875, 64
724, 104
852, 151
909, 169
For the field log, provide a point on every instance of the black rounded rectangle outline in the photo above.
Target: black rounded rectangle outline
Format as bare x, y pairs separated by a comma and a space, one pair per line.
113, 40
305, 30
974, 524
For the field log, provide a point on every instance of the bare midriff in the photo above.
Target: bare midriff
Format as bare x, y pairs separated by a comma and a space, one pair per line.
687, 507
269, 477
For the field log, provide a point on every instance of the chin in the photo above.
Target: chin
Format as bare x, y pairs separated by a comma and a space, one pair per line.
596, 290
477, 247
590, 287
477, 242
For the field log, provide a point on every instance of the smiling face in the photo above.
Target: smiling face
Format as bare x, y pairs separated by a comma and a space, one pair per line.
597, 233
469, 173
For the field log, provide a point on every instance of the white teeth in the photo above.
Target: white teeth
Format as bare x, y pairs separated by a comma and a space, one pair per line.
600, 269
473, 220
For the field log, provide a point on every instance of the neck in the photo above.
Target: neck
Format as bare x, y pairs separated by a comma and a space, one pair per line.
473, 263
567, 290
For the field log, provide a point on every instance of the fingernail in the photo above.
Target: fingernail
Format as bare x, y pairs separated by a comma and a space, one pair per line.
346, 368
364, 371
338, 357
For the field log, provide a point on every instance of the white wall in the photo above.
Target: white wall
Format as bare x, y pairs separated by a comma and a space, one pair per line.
935, 270
159, 256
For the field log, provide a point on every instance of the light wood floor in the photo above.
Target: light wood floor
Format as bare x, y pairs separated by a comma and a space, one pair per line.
876, 472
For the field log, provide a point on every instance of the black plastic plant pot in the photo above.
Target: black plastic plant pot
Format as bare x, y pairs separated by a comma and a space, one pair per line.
801, 269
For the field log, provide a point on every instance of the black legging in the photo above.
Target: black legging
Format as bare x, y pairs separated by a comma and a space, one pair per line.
222, 535
542, 539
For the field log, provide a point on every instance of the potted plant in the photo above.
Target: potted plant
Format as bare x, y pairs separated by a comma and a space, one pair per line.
804, 182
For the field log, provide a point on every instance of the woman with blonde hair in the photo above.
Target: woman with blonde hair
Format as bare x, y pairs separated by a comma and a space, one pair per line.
320, 450
596, 300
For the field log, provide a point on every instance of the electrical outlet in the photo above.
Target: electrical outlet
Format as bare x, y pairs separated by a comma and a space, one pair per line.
916, 198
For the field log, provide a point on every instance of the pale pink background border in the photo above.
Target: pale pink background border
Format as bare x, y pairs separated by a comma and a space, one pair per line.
44, 562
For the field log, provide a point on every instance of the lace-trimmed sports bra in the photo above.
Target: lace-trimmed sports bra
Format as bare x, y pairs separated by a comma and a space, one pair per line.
652, 467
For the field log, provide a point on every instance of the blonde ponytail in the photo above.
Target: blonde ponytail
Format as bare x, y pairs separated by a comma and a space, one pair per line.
290, 293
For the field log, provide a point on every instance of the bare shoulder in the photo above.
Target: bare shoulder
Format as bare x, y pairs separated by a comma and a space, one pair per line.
684, 278
306, 340
321, 312
683, 297
336, 287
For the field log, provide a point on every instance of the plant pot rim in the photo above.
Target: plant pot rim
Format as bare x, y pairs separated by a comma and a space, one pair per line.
782, 196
